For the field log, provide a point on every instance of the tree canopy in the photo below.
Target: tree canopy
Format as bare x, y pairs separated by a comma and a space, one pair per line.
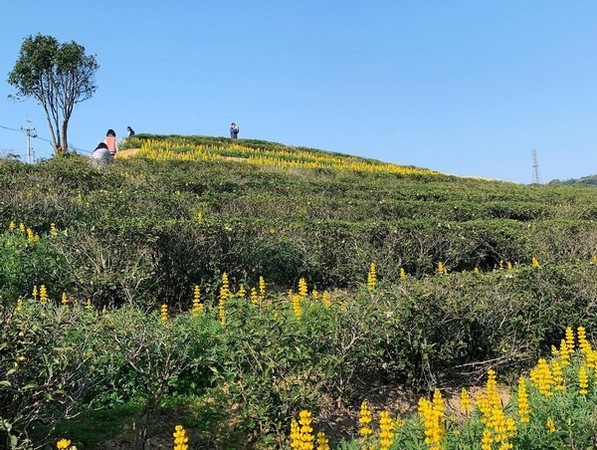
58, 76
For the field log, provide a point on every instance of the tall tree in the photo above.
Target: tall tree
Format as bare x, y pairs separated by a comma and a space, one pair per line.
58, 76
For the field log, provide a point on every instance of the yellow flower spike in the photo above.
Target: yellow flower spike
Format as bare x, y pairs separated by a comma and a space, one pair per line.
386, 433
510, 266
476, 270
557, 374
12, 225
402, 274
53, 231
535, 262
180, 438
371, 277
570, 339
295, 435
89, 305
63, 444
486, 440
315, 294
364, 420
325, 299
197, 308
262, 287
19, 308
524, 410
164, 313
302, 288
64, 300
564, 353
306, 430
22, 228
551, 426
224, 294
241, 291
43, 294
34, 293
199, 217
296, 306
583, 343
322, 442
254, 297
583, 380
465, 402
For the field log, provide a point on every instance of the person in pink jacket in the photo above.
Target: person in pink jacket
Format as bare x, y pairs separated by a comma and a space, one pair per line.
111, 142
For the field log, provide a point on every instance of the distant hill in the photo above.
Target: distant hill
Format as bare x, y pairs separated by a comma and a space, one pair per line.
591, 180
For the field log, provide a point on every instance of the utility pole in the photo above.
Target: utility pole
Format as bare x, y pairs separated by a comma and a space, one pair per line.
30, 132
536, 178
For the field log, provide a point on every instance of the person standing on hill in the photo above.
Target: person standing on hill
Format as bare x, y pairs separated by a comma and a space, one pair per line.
130, 131
111, 142
234, 131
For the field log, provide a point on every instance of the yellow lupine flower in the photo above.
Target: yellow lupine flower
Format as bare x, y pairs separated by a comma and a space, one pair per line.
180, 438
322, 442
224, 294
371, 277
570, 339
19, 307
306, 430
197, 308
386, 433
296, 306
583, 380
364, 420
302, 288
64, 300
254, 296
402, 273
11, 225
535, 262
557, 375
295, 435
43, 294
583, 343
486, 440
262, 287
524, 410
164, 313
465, 402
325, 299
551, 426
63, 444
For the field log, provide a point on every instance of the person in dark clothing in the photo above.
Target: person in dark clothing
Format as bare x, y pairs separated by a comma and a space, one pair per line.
234, 131
130, 131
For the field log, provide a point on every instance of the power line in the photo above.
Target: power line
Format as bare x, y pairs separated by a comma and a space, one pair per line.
80, 150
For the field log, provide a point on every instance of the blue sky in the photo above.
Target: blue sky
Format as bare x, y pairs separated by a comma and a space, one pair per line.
463, 87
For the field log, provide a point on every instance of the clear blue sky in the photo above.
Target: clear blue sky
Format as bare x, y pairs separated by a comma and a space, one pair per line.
463, 87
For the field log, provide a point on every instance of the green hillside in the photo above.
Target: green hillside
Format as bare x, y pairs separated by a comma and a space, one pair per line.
281, 222
227, 285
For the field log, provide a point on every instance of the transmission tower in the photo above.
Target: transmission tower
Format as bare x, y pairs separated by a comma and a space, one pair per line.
30, 132
536, 177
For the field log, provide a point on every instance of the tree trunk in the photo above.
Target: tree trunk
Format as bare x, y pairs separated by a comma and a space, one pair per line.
64, 136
